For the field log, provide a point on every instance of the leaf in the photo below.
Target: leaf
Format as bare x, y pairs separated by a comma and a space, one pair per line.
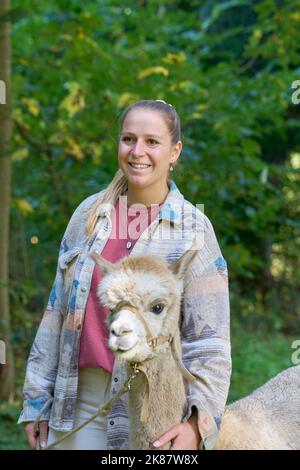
172, 59
20, 155
33, 105
22, 205
74, 102
126, 99
74, 149
184, 85
295, 161
97, 152
264, 175
152, 70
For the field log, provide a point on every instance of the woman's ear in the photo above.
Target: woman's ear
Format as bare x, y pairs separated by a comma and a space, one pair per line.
176, 150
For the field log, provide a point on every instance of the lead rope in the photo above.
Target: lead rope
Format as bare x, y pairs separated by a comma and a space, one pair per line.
103, 411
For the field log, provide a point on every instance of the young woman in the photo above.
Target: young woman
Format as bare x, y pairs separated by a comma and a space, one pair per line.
70, 369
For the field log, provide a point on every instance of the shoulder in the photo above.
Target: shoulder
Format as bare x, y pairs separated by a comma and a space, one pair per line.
190, 215
195, 219
82, 211
76, 227
209, 257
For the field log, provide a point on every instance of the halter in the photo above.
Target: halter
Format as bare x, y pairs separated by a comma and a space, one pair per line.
152, 341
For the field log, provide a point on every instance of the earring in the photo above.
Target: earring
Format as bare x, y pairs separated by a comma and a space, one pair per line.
171, 167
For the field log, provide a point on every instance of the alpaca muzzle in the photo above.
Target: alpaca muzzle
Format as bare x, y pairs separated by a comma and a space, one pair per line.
152, 341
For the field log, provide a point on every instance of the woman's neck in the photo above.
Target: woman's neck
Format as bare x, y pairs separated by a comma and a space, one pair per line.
146, 196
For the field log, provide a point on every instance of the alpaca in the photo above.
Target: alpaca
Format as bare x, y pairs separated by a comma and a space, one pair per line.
143, 294
267, 419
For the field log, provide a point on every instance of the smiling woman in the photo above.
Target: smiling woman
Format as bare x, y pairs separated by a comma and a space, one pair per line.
71, 370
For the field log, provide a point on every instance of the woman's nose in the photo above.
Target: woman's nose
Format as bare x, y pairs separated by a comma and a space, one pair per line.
138, 149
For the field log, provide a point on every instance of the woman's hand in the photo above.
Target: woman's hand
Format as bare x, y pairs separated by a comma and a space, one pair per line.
183, 436
32, 438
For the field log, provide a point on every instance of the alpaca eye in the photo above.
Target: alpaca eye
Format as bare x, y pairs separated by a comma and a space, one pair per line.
157, 309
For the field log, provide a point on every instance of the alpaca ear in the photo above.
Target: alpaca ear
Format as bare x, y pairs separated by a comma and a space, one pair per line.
180, 267
105, 266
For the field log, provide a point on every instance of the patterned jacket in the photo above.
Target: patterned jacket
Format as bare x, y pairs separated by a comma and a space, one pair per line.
52, 368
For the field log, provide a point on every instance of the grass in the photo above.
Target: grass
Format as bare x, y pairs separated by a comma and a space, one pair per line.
12, 436
256, 358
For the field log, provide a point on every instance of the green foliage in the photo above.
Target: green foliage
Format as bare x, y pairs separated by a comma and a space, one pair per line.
256, 358
12, 436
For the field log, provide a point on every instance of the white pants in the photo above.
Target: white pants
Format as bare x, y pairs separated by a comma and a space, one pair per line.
93, 391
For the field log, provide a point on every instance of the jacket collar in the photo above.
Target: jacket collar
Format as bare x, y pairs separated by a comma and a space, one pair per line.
171, 209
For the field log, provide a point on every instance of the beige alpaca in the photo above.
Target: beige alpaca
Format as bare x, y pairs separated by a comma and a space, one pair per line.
144, 295
135, 290
269, 418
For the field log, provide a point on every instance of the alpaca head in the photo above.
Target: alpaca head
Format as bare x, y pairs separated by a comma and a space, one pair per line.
141, 286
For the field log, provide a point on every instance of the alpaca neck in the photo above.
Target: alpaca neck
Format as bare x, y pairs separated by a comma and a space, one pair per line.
165, 396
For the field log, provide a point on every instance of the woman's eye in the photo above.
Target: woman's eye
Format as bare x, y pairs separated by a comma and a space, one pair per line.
152, 142
157, 308
126, 139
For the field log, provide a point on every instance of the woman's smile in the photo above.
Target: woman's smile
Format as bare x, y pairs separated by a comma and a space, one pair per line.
138, 166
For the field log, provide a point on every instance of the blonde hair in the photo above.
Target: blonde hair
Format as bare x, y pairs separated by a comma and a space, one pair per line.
118, 185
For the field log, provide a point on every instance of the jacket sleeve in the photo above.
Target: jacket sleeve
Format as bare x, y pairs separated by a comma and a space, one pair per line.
205, 336
42, 364
43, 358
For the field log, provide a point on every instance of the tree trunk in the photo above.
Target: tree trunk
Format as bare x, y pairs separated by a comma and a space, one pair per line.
7, 370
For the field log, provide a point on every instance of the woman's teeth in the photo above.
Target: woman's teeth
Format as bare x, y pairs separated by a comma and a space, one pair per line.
139, 165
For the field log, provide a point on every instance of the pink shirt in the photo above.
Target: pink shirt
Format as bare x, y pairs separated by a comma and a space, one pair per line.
127, 225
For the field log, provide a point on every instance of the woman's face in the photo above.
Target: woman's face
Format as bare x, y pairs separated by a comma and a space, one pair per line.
145, 149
